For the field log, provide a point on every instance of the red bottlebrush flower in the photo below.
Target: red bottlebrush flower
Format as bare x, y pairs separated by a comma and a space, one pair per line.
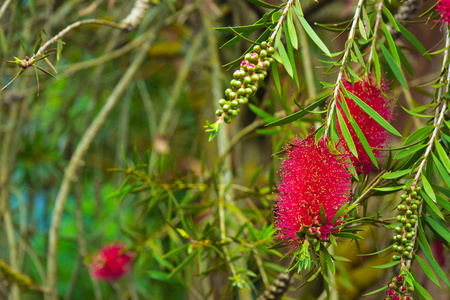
375, 134
312, 176
443, 8
111, 263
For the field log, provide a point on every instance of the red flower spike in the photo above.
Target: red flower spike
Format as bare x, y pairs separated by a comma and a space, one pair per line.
111, 263
375, 134
312, 176
443, 8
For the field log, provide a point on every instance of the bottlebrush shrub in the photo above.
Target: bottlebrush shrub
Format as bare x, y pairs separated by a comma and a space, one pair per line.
378, 98
111, 263
313, 176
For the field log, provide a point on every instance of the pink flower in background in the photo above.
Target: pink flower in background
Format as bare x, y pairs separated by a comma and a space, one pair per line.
111, 263
312, 176
443, 8
376, 135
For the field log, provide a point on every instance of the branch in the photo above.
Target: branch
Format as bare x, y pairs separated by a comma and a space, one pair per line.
281, 19
131, 22
349, 44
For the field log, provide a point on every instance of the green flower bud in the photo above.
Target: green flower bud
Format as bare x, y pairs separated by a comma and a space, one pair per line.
219, 112
234, 103
264, 45
257, 48
226, 107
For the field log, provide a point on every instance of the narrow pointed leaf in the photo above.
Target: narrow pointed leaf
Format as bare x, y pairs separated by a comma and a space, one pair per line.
313, 35
392, 64
376, 116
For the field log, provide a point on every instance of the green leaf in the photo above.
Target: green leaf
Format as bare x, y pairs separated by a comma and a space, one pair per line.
412, 39
389, 188
22, 44
328, 260
339, 213
285, 59
431, 205
391, 18
376, 116
420, 134
427, 270
362, 30
386, 266
391, 43
313, 35
263, 4
444, 174
427, 187
440, 230
442, 155
396, 174
241, 29
298, 115
378, 252
162, 276
346, 133
407, 152
394, 67
358, 132
291, 30
413, 113
276, 78
183, 263
377, 291
261, 113
290, 52
323, 217
421, 291
348, 235
423, 244
38, 44
243, 37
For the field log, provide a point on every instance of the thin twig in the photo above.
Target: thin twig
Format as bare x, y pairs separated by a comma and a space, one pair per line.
80, 151
73, 26
281, 19
438, 119
349, 45
4, 193
4, 7
375, 31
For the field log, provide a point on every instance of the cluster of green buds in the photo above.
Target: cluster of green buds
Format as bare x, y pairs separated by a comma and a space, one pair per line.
408, 217
246, 80
397, 289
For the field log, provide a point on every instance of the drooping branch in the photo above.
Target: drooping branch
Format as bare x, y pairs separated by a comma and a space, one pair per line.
348, 45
